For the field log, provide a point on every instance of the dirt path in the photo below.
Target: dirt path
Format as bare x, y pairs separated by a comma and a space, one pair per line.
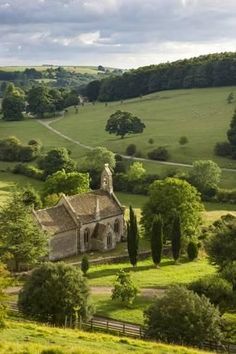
101, 290
47, 124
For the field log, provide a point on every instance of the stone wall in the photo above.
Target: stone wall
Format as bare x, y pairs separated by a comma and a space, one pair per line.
63, 245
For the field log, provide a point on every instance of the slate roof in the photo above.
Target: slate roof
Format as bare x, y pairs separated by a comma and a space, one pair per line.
84, 205
58, 219
55, 220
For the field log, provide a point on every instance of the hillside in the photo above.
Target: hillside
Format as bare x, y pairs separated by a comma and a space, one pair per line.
203, 115
76, 69
38, 339
212, 70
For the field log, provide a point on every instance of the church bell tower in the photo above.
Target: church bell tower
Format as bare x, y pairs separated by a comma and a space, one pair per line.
106, 179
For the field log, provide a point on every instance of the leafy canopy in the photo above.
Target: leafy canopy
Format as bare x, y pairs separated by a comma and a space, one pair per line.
123, 123
124, 289
21, 238
69, 183
96, 159
183, 317
54, 291
167, 197
205, 175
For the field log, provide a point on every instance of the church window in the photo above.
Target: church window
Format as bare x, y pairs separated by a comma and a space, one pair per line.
117, 226
86, 237
109, 240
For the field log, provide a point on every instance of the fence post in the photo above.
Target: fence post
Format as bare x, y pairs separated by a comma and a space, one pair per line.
123, 328
91, 324
107, 326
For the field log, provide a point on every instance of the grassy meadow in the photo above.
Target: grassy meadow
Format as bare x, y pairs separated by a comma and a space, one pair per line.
31, 338
203, 115
145, 275
77, 69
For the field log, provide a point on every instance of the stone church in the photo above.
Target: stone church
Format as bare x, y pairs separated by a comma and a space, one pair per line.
84, 222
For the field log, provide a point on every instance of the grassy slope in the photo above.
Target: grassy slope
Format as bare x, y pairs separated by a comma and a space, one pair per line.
203, 115
33, 339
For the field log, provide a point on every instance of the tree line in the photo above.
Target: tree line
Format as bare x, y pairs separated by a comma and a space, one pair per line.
204, 71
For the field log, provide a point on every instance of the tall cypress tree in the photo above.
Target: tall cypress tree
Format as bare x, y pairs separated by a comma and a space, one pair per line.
132, 237
176, 238
157, 239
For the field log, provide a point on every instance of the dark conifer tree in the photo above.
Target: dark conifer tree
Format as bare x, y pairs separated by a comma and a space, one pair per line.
157, 239
132, 237
176, 238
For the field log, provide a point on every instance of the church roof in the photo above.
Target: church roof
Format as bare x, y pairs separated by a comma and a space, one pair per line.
85, 205
55, 220
82, 207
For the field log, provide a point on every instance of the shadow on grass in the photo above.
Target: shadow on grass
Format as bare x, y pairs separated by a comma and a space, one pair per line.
113, 271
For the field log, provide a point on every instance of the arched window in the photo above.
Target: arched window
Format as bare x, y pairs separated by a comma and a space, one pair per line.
117, 226
109, 240
86, 237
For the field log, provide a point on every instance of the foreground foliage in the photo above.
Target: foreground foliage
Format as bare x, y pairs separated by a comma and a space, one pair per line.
54, 293
21, 240
181, 316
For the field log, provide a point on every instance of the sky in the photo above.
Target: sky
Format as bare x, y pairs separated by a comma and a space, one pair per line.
113, 33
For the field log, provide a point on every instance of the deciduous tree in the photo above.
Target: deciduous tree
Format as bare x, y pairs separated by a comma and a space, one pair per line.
168, 196
123, 123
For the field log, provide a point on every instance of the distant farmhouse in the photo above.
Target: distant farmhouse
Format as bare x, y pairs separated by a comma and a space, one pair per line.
84, 222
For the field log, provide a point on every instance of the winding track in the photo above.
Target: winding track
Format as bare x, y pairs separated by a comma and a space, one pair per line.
47, 124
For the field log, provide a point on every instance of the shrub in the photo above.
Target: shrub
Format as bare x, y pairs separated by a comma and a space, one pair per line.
151, 141
53, 291
192, 250
183, 140
219, 291
11, 149
226, 195
131, 149
124, 289
85, 264
229, 273
223, 149
29, 171
221, 245
160, 153
183, 317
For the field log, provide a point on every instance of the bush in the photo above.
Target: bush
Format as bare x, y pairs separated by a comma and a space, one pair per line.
192, 250
29, 171
226, 196
219, 291
53, 291
11, 149
151, 141
229, 273
85, 264
223, 149
221, 245
160, 153
183, 140
131, 149
124, 289
183, 317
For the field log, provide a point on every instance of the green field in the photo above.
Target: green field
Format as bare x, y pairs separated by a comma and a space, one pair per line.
203, 115
145, 275
76, 69
28, 338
